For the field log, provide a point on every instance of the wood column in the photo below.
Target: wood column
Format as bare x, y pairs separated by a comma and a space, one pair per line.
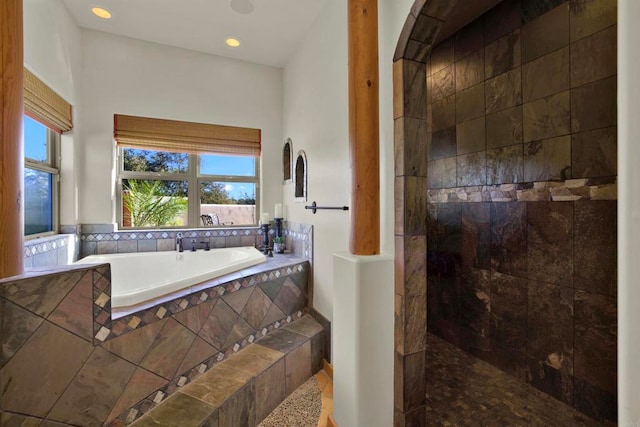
11, 146
364, 127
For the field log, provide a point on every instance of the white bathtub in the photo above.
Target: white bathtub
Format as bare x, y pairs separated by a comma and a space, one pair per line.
143, 276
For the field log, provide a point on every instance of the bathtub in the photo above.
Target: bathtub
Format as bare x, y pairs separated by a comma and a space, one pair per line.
143, 276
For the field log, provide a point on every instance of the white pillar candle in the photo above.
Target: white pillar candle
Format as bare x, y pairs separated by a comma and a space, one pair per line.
265, 217
278, 211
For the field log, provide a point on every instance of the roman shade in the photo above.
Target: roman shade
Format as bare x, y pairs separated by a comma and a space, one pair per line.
184, 137
46, 106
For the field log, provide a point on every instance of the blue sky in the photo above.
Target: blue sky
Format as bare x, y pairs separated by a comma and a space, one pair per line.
35, 139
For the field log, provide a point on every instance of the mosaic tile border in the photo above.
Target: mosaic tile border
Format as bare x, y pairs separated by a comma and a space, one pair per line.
35, 247
104, 328
161, 394
556, 191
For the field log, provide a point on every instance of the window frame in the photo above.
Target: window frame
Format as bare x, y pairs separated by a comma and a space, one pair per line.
194, 178
50, 166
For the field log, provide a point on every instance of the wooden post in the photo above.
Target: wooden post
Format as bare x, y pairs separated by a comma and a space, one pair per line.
364, 127
11, 148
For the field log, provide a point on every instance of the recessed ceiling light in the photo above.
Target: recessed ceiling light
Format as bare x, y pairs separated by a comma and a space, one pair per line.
101, 12
232, 41
243, 7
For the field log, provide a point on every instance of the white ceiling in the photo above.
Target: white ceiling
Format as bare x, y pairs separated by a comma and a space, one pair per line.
269, 35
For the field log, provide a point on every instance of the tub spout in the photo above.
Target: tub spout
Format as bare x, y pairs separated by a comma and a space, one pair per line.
179, 247
193, 245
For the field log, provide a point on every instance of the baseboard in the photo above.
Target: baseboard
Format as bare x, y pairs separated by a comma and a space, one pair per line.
331, 422
328, 368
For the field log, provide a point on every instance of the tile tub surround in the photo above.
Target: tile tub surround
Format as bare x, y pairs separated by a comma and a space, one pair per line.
506, 171
59, 342
51, 251
244, 389
102, 239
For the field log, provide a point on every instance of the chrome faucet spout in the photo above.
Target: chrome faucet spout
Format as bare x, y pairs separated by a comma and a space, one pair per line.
179, 247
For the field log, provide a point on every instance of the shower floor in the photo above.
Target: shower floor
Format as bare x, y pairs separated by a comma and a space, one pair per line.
465, 391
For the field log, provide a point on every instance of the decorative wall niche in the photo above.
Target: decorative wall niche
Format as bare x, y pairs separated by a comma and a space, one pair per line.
287, 163
301, 177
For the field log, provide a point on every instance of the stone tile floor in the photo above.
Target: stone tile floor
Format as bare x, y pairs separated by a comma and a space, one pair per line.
465, 391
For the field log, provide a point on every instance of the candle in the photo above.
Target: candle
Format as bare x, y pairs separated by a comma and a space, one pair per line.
265, 217
278, 211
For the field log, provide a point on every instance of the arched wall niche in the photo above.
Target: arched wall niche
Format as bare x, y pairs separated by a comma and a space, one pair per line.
300, 168
587, 213
287, 161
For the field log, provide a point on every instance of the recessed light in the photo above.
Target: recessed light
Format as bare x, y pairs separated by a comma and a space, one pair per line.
243, 7
101, 12
232, 41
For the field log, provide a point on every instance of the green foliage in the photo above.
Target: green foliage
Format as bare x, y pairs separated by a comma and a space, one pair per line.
214, 193
149, 204
278, 239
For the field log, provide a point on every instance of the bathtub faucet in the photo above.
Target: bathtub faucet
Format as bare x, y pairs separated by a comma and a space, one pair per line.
193, 245
179, 247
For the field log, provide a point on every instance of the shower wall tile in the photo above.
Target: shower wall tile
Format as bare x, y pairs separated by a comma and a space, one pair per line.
509, 238
409, 384
547, 33
476, 236
443, 143
475, 311
590, 16
471, 169
548, 117
469, 71
504, 128
505, 165
503, 19
550, 242
411, 270
595, 247
444, 113
469, 39
412, 143
595, 402
594, 153
470, 136
547, 160
594, 105
415, 88
442, 55
444, 83
503, 91
441, 173
594, 58
470, 103
503, 55
546, 76
411, 315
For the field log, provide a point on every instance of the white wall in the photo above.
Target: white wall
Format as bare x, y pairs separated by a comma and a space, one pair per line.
52, 43
628, 213
128, 76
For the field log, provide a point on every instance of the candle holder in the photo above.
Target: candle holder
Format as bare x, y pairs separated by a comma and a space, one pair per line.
278, 226
266, 249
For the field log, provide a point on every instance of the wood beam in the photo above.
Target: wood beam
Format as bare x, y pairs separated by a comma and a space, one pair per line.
11, 146
364, 127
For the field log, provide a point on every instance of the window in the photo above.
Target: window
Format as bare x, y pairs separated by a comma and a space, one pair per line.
41, 176
165, 189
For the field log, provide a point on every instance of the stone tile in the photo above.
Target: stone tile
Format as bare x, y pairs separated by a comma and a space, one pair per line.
141, 385
594, 105
594, 153
411, 316
128, 246
509, 238
306, 326
503, 19
547, 118
449, 239
94, 391
297, 365
503, 91
274, 314
17, 420
548, 160
476, 236
256, 308
409, 381
283, 340
504, 128
412, 206
415, 90
470, 103
240, 330
18, 325
533, 9
411, 145
318, 352
237, 300
503, 55
590, 16
546, 75
135, 344
166, 245
439, 10
193, 318
470, 136
595, 402
443, 113
41, 295
469, 39
509, 323
442, 55
594, 58
443, 83
75, 311
288, 299
219, 324
548, 32
550, 242
550, 339
199, 352
213, 420
240, 409
595, 247
471, 169
595, 340
443, 144
470, 70
417, 50
475, 311
410, 268
272, 287
415, 418
215, 386
175, 411
444, 308
40, 371
505, 165
442, 173
270, 390
254, 359
169, 348
107, 247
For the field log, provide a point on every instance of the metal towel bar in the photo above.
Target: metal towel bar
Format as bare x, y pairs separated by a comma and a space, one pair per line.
314, 207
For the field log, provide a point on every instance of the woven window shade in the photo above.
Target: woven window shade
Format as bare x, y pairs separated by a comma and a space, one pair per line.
184, 137
46, 106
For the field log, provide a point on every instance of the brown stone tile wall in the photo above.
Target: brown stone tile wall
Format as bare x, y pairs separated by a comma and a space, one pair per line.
65, 360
